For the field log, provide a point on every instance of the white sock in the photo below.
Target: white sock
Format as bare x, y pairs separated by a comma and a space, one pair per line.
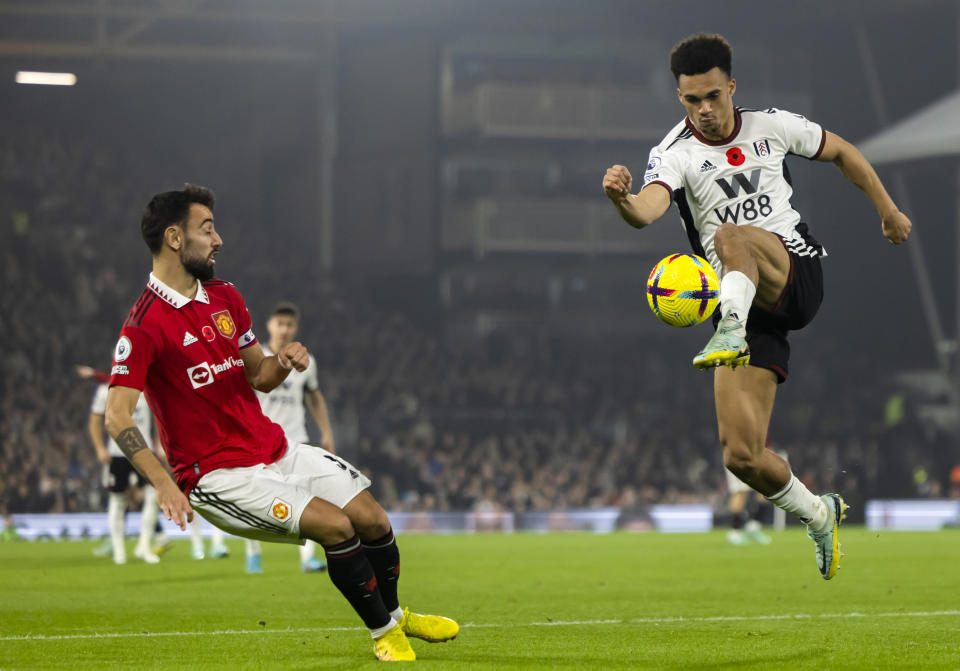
217, 537
307, 551
148, 517
196, 533
253, 547
397, 614
736, 294
797, 499
377, 633
115, 509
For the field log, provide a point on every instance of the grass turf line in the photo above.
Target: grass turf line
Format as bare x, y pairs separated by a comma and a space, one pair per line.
639, 582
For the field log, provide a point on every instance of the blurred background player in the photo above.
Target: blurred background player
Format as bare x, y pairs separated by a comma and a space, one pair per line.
218, 545
91, 373
119, 476
285, 406
744, 505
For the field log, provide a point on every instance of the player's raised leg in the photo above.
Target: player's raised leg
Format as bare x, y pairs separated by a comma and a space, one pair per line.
756, 267
380, 546
744, 400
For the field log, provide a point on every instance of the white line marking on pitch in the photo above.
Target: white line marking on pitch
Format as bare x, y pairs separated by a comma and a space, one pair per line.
556, 623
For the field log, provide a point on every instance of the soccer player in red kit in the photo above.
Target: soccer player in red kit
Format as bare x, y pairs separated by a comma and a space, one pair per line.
188, 344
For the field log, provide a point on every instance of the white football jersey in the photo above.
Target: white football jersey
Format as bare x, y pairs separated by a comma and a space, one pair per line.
284, 405
742, 179
141, 417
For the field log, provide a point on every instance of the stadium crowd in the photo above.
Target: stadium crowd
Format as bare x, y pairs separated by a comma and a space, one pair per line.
520, 422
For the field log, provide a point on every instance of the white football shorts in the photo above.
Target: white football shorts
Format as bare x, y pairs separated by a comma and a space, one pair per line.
264, 502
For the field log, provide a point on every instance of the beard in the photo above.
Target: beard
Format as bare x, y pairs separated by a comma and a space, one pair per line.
198, 266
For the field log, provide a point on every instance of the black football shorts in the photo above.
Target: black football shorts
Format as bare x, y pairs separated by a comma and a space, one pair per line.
797, 306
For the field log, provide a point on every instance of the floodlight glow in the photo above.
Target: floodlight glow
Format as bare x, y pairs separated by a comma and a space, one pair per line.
46, 78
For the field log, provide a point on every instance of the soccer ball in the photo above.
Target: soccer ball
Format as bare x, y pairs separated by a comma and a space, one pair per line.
683, 290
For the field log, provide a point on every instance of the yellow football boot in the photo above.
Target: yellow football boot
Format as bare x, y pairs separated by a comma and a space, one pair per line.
727, 347
393, 647
432, 628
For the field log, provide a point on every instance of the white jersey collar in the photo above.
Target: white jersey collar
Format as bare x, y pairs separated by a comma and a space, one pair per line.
174, 297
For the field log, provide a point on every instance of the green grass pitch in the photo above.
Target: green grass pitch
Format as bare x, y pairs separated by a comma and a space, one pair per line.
559, 601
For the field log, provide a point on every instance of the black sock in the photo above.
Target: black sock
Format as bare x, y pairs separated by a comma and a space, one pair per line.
352, 574
385, 559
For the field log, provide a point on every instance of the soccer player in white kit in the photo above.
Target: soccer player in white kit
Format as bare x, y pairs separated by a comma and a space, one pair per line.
119, 475
724, 168
285, 406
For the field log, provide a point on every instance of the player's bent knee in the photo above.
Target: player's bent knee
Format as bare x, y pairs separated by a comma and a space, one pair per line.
368, 517
741, 461
324, 523
728, 234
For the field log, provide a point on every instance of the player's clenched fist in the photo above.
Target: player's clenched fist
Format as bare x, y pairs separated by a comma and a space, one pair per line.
896, 227
617, 183
294, 355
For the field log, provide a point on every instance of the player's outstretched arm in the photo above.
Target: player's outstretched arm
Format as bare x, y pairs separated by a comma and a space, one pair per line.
856, 168
637, 210
121, 402
266, 373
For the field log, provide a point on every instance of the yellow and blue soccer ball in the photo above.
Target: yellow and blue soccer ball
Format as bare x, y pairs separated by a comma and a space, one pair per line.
683, 290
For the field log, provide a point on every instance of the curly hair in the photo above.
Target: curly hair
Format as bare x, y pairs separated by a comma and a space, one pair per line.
168, 209
701, 53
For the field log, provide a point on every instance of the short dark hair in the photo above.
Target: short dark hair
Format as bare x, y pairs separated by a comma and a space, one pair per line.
286, 308
701, 53
171, 208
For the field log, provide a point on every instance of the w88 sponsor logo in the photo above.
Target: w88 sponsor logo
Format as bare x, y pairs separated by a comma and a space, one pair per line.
750, 209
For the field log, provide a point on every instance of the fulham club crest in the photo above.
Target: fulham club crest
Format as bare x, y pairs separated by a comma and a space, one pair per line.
224, 323
762, 147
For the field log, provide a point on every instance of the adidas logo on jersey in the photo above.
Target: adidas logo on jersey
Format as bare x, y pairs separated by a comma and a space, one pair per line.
188, 338
707, 166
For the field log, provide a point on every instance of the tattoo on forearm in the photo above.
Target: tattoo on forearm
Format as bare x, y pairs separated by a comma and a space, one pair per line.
131, 441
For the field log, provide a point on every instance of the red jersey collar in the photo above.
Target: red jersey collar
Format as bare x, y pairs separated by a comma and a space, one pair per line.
737, 122
174, 297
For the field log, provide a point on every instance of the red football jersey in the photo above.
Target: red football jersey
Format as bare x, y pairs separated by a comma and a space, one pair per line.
184, 353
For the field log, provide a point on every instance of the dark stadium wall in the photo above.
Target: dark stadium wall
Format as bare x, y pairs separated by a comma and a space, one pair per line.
867, 279
385, 187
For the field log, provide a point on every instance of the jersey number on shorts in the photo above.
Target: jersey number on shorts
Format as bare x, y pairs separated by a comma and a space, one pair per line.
343, 466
